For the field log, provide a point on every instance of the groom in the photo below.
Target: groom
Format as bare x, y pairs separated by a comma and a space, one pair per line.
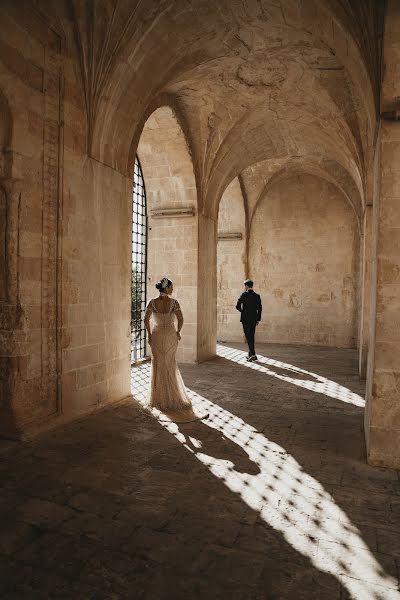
249, 306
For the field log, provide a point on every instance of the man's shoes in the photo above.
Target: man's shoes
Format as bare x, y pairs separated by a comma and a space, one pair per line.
252, 358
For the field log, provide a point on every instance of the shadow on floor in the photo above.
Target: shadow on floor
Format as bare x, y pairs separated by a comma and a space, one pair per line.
290, 373
325, 438
202, 439
117, 506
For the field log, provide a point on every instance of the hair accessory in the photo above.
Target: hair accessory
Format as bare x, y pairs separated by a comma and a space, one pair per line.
164, 283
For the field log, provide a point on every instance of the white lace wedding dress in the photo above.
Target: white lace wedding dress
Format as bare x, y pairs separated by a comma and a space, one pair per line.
167, 391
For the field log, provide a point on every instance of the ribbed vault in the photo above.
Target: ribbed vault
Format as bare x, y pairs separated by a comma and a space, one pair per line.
254, 81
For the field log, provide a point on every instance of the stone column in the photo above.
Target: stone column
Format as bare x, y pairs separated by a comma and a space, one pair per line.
383, 386
207, 288
382, 416
365, 292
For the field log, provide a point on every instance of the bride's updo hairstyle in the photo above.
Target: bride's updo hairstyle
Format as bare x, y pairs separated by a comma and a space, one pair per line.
163, 284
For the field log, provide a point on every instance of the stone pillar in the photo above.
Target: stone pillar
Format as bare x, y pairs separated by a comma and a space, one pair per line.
365, 292
382, 415
383, 386
207, 288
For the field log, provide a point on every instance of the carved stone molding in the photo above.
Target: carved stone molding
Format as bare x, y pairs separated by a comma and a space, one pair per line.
186, 211
230, 236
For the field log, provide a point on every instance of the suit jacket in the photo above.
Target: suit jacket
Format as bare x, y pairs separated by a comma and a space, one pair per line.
249, 306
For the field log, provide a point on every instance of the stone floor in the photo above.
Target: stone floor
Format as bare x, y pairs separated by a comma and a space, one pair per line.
269, 498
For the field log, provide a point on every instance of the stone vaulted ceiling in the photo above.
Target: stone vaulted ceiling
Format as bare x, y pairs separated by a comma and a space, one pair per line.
250, 80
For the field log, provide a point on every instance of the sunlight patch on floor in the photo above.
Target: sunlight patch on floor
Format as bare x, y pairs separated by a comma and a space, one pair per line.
320, 385
288, 499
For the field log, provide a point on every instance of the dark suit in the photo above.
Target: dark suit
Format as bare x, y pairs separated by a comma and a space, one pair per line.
250, 308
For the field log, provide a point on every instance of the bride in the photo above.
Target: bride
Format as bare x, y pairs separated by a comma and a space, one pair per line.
167, 391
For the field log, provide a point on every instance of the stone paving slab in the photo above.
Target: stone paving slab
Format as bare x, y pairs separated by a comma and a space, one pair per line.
270, 498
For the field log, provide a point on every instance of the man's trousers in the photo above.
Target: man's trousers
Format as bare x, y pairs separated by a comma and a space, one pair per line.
249, 328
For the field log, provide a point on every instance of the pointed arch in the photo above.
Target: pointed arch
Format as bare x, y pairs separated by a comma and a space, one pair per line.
171, 194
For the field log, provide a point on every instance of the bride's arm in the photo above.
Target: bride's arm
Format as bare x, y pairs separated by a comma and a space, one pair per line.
179, 316
147, 316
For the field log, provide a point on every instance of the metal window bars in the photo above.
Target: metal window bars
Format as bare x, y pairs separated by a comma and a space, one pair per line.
139, 265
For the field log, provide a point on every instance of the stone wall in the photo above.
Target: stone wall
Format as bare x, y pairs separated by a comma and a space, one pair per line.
96, 265
231, 262
96, 287
30, 159
65, 337
95, 268
303, 258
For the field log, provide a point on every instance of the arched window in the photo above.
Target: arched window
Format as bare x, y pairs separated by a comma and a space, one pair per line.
139, 264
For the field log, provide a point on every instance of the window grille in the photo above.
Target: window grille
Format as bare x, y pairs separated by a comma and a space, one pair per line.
139, 265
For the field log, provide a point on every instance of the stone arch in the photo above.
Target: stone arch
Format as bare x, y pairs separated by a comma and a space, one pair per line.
172, 215
235, 76
166, 102
332, 173
310, 293
141, 64
141, 58
265, 136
